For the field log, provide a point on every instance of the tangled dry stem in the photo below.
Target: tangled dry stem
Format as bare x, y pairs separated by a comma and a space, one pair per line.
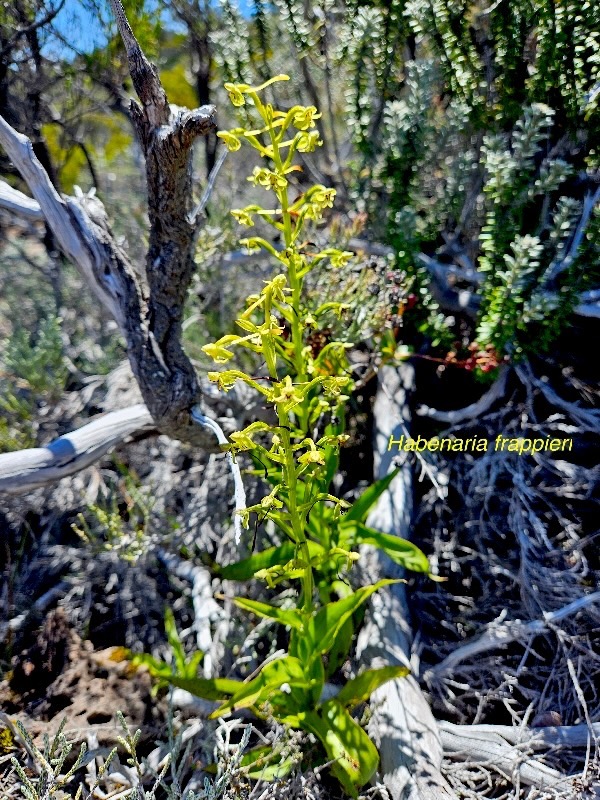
526, 625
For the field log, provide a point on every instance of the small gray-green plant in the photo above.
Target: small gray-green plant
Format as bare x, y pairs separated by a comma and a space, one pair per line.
49, 764
109, 528
51, 781
32, 371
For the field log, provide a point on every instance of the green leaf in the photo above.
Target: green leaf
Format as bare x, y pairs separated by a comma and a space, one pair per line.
285, 616
273, 556
401, 551
353, 754
175, 642
191, 669
265, 765
359, 689
362, 505
340, 647
156, 667
323, 628
271, 677
207, 688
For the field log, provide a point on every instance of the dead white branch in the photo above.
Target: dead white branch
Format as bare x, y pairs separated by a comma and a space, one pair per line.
588, 419
473, 411
587, 310
502, 635
472, 743
20, 204
67, 219
558, 267
149, 313
563, 736
24, 470
239, 494
206, 608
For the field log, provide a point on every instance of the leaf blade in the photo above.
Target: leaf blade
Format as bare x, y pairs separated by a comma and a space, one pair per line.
362, 505
359, 689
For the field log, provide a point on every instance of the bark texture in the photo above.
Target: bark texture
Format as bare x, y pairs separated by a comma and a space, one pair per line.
149, 310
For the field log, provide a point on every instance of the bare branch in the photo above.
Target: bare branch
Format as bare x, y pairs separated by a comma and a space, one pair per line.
568, 736
67, 220
501, 635
143, 73
402, 723
587, 310
198, 213
20, 204
39, 23
470, 743
29, 469
149, 321
587, 418
461, 301
473, 411
558, 267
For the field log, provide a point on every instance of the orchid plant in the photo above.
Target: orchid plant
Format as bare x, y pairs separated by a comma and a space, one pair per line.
306, 388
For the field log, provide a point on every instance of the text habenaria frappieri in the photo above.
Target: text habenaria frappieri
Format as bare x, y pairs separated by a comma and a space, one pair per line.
478, 444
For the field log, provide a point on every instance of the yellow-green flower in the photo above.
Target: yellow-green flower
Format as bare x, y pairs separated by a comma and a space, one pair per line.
242, 440
323, 197
333, 386
285, 392
224, 380
218, 353
242, 216
252, 244
339, 439
307, 142
340, 258
271, 501
261, 176
305, 117
232, 142
236, 93
317, 200
244, 513
276, 288
312, 456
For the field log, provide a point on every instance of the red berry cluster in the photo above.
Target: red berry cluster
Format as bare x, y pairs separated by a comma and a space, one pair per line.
485, 359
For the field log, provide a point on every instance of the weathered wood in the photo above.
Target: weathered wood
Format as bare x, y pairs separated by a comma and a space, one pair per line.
566, 736
473, 411
472, 743
20, 204
501, 635
25, 470
402, 723
149, 314
66, 226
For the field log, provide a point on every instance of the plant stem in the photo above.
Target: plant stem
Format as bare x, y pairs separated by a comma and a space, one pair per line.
295, 282
291, 479
291, 482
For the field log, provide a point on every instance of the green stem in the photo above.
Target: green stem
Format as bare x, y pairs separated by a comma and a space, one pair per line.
290, 476
295, 282
291, 482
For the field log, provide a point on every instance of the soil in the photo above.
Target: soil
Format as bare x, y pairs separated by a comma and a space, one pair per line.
60, 676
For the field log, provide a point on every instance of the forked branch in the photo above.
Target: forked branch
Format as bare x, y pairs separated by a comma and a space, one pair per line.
149, 318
